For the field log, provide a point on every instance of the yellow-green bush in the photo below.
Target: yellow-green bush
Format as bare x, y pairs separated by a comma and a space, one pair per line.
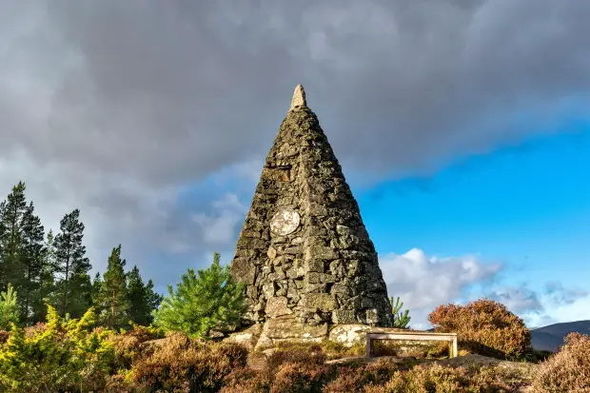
58, 356
568, 370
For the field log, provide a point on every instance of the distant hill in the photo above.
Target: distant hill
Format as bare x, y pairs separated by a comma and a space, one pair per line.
550, 338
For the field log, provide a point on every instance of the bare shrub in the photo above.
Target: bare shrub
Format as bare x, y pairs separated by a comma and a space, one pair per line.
484, 326
568, 370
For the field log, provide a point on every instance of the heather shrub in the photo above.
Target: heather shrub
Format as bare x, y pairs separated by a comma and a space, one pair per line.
484, 326
295, 368
441, 379
295, 353
134, 343
298, 377
291, 368
246, 380
350, 379
59, 356
568, 370
179, 364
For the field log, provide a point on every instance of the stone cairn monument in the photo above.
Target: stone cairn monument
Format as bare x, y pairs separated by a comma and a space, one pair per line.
303, 253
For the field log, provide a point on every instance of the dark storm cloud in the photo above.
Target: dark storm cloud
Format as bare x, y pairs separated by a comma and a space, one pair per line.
119, 103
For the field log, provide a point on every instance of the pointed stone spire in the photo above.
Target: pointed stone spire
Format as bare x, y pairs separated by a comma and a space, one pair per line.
298, 99
303, 254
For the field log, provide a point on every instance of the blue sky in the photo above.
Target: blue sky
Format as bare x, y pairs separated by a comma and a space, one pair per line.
525, 206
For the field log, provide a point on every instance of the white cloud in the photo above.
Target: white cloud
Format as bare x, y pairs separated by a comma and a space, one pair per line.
218, 227
520, 300
424, 282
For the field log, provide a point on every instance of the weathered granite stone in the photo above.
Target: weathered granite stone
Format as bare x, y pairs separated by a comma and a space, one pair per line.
283, 329
277, 306
303, 251
297, 101
319, 301
248, 337
349, 334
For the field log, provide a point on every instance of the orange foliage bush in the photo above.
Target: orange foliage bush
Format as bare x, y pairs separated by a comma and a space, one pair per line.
568, 370
484, 326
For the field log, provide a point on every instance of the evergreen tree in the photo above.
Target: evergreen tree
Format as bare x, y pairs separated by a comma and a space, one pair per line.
113, 299
47, 282
33, 260
208, 300
95, 293
73, 286
9, 310
21, 251
142, 298
11, 213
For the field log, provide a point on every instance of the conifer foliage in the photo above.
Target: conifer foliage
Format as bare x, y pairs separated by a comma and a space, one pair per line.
113, 292
53, 269
121, 297
73, 286
202, 302
22, 251
8, 308
143, 300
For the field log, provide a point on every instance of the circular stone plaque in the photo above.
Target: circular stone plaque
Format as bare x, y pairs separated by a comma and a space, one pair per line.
284, 222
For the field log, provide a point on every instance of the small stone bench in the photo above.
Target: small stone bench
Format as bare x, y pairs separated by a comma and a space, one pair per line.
451, 338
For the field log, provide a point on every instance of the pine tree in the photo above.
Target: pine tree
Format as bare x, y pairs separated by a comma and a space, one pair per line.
113, 299
401, 319
11, 213
142, 298
47, 282
21, 251
9, 310
32, 259
95, 293
73, 286
202, 302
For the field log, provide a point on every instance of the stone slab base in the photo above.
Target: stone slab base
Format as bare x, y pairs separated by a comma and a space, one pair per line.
288, 329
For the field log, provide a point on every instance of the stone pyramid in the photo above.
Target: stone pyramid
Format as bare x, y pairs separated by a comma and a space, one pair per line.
303, 253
